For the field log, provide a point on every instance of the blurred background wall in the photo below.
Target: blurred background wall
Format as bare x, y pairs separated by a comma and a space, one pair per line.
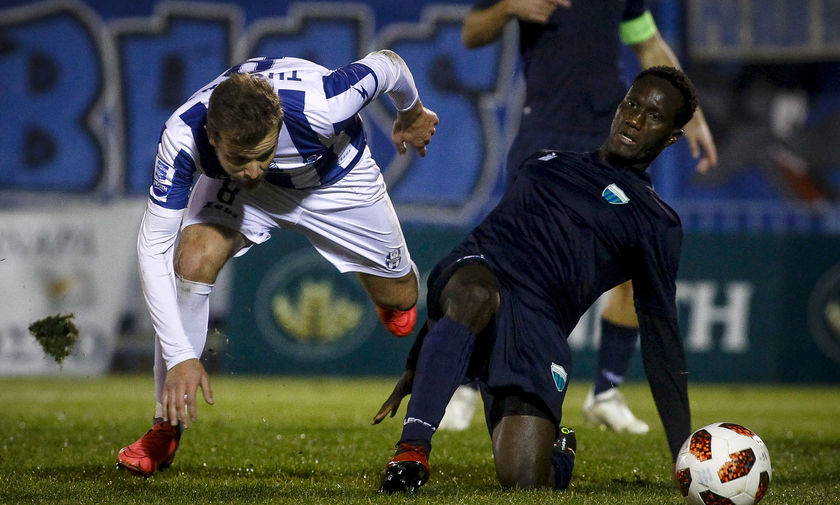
85, 87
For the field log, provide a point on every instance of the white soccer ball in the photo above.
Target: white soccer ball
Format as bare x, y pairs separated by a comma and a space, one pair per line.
723, 464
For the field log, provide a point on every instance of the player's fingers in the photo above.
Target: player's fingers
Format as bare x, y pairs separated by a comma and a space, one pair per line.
704, 165
190, 407
421, 151
206, 390
694, 146
711, 153
383, 412
165, 403
172, 407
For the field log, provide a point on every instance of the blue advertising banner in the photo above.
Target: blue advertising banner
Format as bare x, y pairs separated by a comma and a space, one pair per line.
91, 82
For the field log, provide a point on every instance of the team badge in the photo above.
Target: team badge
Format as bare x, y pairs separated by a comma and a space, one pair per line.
613, 194
393, 259
559, 374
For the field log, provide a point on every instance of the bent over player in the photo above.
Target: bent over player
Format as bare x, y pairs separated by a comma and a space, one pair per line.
501, 305
271, 143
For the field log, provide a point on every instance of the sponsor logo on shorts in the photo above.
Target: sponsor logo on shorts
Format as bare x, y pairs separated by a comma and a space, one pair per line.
393, 259
221, 207
558, 373
614, 195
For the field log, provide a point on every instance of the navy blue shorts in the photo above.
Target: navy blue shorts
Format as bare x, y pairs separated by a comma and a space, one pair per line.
522, 349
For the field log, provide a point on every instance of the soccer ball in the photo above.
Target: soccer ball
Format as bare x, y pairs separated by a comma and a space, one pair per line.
723, 464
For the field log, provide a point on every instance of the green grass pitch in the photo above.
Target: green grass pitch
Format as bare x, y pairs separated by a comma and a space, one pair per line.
304, 440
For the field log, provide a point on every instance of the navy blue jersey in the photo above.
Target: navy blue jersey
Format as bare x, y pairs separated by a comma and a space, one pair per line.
570, 227
572, 75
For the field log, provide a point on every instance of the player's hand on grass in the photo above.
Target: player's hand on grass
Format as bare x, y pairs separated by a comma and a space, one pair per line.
401, 390
179, 391
414, 127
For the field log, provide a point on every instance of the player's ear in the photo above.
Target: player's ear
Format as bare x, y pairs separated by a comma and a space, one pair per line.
211, 135
675, 136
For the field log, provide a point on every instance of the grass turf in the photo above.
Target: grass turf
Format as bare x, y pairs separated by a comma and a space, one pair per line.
301, 441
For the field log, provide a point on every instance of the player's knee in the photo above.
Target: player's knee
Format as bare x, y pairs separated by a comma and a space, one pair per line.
519, 477
471, 304
203, 250
193, 266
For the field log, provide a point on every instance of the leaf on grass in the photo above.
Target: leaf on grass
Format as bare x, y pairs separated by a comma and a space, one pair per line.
57, 335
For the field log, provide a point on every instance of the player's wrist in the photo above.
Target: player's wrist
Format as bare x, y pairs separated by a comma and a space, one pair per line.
411, 114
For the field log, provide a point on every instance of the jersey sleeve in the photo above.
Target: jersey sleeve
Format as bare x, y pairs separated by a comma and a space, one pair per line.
664, 362
653, 269
654, 288
350, 88
155, 251
175, 167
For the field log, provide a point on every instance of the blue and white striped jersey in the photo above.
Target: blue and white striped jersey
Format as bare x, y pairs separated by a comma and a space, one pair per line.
322, 136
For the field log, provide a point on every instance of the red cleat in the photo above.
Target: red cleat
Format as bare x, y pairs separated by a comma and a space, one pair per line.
154, 451
407, 470
398, 322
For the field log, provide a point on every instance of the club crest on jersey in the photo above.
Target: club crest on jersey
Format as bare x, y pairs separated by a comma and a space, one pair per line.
559, 374
614, 195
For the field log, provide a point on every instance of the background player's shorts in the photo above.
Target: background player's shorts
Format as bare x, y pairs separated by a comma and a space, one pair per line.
351, 223
523, 348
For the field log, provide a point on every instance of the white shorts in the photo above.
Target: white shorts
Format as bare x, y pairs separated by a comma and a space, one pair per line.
351, 223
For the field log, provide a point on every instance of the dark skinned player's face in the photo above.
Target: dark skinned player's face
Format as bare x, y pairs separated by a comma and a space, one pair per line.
643, 124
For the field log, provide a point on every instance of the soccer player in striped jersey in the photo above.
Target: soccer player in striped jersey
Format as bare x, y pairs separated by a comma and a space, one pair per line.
270, 143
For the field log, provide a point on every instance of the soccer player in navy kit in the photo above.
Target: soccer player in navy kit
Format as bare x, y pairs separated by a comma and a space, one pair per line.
570, 51
501, 305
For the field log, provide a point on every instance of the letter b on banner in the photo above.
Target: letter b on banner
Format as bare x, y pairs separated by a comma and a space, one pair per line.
46, 141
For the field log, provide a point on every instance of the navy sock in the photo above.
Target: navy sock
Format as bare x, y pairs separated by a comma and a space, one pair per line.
441, 367
617, 345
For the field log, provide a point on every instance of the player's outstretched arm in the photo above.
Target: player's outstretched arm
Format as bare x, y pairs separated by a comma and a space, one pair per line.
392, 404
483, 26
655, 51
179, 392
414, 127
701, 142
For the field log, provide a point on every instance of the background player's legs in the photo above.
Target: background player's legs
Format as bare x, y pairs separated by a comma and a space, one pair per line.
619, 330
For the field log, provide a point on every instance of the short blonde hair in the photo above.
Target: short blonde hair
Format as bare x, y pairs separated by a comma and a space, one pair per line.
244, 109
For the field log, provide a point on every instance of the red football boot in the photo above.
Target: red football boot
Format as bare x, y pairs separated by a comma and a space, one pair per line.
407, 470
154, 451
398, 322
